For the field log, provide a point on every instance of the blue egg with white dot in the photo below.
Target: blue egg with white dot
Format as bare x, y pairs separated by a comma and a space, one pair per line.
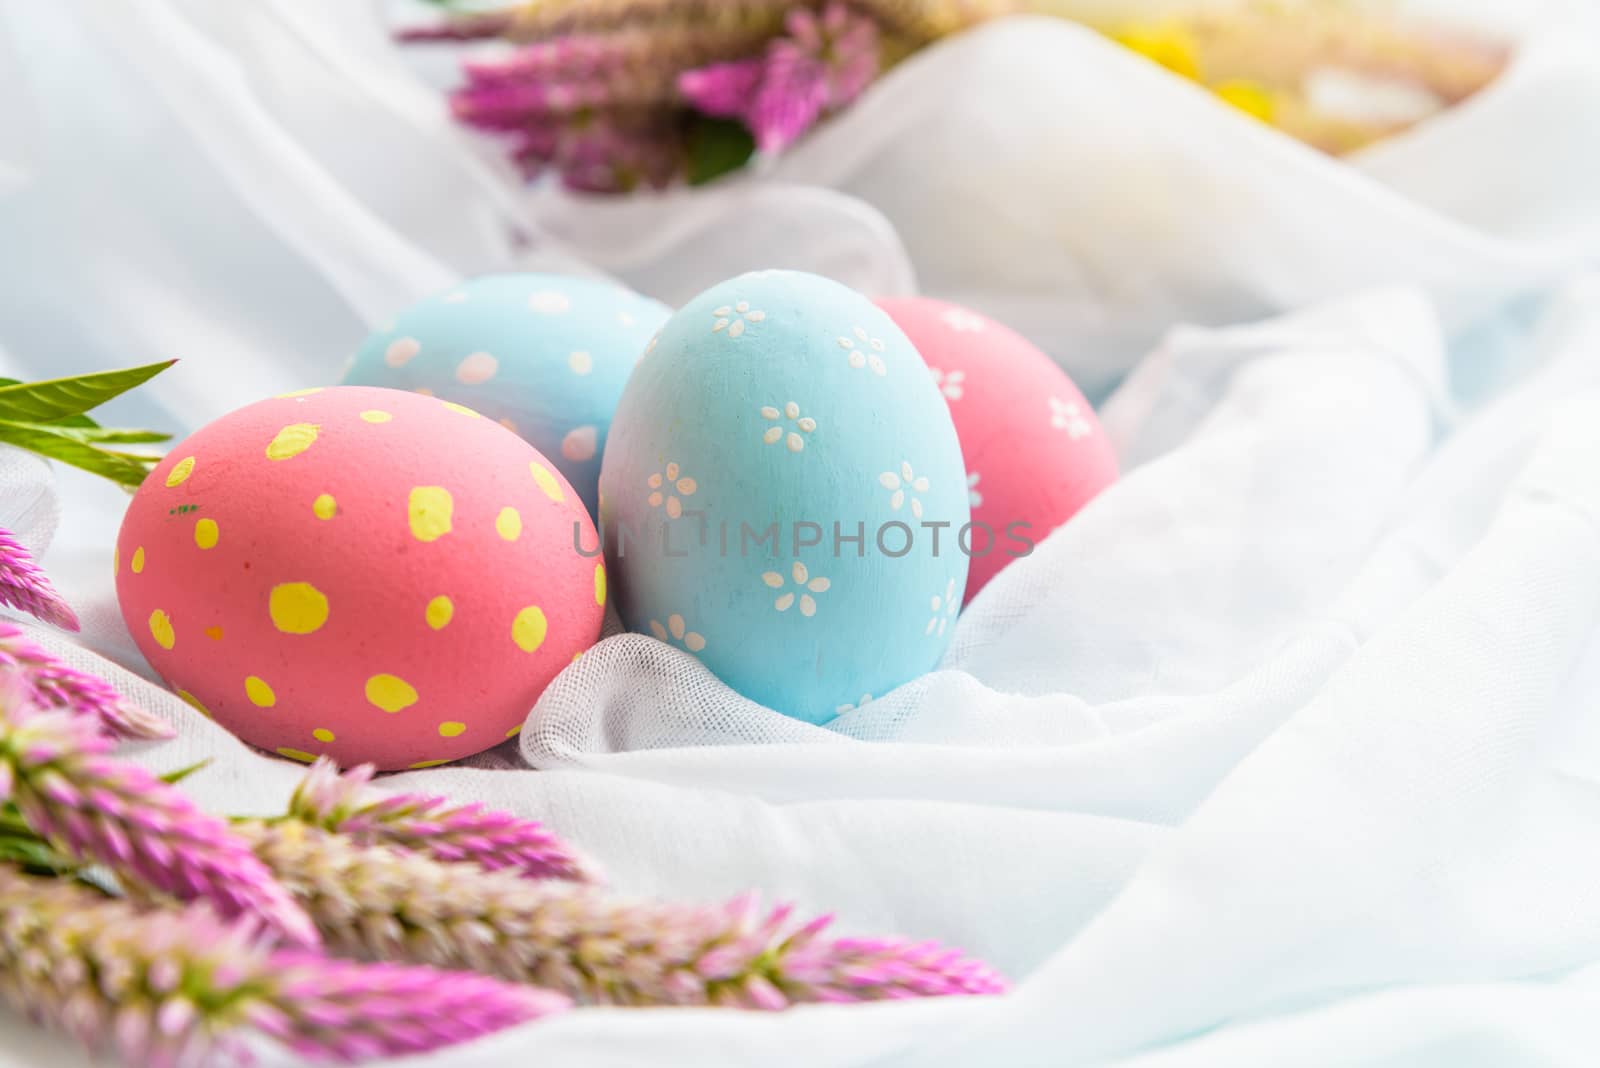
783, 496
544, 355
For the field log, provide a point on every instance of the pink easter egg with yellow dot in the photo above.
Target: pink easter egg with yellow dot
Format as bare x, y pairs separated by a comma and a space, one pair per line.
364, 573
1035, 453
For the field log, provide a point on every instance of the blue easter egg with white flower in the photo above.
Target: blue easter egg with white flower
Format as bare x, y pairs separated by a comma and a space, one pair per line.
783, 495
544, 355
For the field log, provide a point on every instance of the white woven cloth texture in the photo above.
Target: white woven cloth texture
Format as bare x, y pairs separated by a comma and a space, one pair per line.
1285, 751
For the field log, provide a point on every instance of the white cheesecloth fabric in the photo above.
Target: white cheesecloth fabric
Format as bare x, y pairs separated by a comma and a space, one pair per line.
1285, 751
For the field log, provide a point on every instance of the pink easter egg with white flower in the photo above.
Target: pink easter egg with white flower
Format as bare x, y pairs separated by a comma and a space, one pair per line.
364, 573
1034, 450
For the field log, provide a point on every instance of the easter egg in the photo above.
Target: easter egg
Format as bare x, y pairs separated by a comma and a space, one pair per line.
782, 495
1035, 452
364, 573
544, 355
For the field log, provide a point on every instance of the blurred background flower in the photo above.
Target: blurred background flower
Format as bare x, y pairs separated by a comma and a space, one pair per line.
617, 95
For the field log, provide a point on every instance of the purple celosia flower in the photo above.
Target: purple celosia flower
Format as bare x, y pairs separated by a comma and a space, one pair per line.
600, 153
54, 684
433, 825
54, 768
340, 1010
387, 904
822, 63
508, 106
546, 19
657, 51
472, 27
24, 587
175, 987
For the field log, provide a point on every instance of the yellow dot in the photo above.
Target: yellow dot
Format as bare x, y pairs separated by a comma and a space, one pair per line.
461, 408
514, 731
292, 440
297, 608
439, 612
390, 692
138, 560
205, 533
423, 391
528, 629
180, 471
429, 511
259, 692
508, 524
547, 481
374, 416
300, 393
576, 655
324, 506
600, 584
296, 754
214, 633
427, 763
322, 734
161, 629
451, 728
116, 560
194, 702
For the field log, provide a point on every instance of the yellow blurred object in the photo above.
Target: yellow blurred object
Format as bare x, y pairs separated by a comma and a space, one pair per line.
1249, 97
1168, 43
1273, 59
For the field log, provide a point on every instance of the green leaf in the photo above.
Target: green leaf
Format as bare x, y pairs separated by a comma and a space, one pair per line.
72, 420
57, 443
105, 435
35, 857
63, 398
12, 821
21, 844
715, 147
173, 778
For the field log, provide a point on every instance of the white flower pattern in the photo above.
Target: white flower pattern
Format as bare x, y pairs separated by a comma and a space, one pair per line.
863, 351
962, 321
735, 318
668, 489
550, 302
906, 483
791, 412
952, 384
974, 498
678, 631
1068, 416
802, 579
944, 607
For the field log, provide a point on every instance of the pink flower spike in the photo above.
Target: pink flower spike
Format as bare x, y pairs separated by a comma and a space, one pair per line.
792, 97
25, 587
423, 823
347, 1012
819, 66
379, 903
469, 28
56, 685
722, 89
179, 987
101, 810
